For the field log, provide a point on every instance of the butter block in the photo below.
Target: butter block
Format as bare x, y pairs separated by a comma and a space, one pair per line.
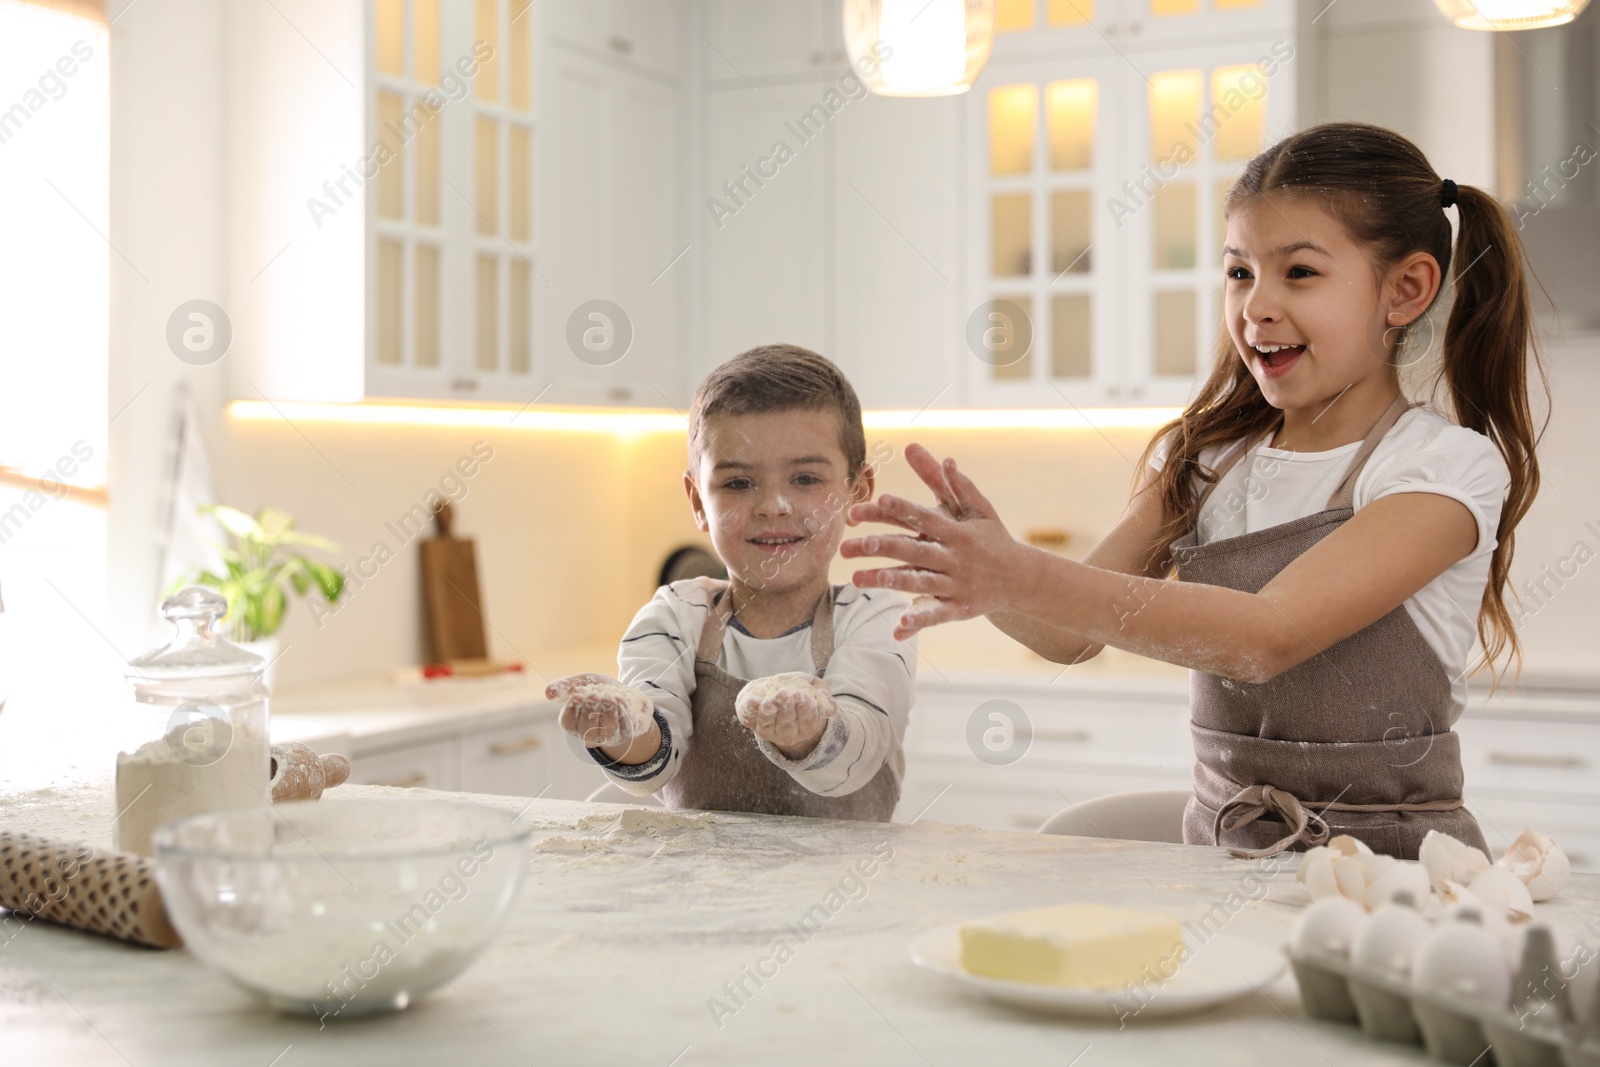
1075, 946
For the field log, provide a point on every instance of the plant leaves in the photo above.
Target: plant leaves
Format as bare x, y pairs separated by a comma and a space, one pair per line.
234, 521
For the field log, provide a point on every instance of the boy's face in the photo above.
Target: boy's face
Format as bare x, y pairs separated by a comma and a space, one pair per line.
772, 489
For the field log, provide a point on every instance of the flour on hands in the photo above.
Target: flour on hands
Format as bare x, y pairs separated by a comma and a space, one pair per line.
600, 711
788, 709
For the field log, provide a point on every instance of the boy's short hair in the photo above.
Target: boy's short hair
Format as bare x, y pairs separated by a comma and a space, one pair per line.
780, 378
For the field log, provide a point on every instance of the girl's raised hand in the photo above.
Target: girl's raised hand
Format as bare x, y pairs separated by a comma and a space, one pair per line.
960, 564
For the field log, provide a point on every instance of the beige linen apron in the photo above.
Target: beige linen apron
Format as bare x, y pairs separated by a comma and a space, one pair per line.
723, 770
1356, 740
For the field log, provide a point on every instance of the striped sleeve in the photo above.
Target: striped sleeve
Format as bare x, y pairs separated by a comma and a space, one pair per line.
656, 656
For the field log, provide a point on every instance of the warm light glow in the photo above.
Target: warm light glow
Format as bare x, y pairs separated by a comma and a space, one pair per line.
1022, 419
1241, 93
620, 421
1510, 14
919, 47
1174, 113
627, 422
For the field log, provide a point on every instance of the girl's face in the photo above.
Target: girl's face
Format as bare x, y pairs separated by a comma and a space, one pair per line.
1297, 282
772, 489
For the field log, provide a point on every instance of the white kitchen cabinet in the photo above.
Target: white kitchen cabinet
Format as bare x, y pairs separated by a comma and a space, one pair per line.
836, 233
447, 263
613, 229
646, 34
767, 242
515, 761
430, 765
756, 41
1525, 766
1096, 170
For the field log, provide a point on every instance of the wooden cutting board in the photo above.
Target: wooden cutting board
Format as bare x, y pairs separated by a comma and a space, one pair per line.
450, 594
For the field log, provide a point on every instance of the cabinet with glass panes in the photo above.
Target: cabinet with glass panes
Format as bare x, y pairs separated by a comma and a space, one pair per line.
1096, 173
451, 259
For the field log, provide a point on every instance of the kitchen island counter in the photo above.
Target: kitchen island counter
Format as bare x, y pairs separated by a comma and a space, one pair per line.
649, 938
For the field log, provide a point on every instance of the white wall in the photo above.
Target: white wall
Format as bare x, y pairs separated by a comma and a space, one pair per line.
167, 223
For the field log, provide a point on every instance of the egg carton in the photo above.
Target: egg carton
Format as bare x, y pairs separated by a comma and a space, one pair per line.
1533, 1031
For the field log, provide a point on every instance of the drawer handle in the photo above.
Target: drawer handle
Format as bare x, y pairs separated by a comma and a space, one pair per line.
621, 45
511, 748
1534, 759
406, 781
1061, 735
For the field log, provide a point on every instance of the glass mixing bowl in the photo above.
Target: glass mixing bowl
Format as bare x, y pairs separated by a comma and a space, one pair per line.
341, 908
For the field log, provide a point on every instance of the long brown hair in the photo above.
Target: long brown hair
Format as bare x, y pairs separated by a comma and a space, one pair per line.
1382, 189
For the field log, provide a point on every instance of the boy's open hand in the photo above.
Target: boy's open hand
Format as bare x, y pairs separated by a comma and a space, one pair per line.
789, 711
600, 711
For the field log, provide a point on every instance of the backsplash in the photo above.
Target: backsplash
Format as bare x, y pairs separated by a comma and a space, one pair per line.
572, 527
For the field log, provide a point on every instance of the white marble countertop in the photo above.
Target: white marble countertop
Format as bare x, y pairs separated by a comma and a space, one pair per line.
618, 943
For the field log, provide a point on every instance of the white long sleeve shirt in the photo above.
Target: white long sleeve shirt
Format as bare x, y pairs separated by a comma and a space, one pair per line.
870, 675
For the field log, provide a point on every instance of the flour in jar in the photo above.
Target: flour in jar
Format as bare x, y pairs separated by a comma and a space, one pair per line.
172, 778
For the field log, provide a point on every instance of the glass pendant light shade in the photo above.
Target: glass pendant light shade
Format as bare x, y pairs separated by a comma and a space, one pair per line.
1510, 14
919, 47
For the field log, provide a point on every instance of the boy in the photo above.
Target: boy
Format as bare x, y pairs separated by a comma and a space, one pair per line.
774, 691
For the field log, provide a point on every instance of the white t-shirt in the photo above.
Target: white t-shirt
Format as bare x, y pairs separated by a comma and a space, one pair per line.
1424, 452
870, 674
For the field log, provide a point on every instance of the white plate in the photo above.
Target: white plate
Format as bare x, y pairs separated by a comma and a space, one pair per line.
1218, 970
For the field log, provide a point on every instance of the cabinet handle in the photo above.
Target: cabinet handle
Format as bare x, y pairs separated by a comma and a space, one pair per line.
1534, 759
1136, 391
512, 747
406, 781
817, 59
621, 45
464, 384
1061, 735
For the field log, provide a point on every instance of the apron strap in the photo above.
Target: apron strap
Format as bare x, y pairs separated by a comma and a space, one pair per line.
710, 647
1252, 802
1344, 496
1228, 464
822, 631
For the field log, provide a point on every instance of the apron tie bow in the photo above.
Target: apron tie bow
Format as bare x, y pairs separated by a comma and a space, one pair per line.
1255, 801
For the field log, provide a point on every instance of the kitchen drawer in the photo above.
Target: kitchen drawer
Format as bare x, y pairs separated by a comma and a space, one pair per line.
425, 766
1558, 759
1065, 729
513, 761
1014, 798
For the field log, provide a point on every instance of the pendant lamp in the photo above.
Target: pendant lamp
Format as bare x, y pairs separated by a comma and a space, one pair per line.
918, 47
1510, 14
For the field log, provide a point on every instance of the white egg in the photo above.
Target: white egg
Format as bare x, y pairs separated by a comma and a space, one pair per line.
1463, 959
1502, 891
1389, 939
1405, 876
1327, 928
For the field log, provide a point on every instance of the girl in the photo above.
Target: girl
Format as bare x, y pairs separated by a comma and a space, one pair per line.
1336, 547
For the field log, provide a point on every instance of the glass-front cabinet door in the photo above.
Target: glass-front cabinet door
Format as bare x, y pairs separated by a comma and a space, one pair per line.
1042, 158
1095, 177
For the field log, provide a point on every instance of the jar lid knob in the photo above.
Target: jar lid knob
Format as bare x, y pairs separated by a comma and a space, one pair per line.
195, 602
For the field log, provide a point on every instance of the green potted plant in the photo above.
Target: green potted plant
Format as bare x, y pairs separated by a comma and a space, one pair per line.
264, 565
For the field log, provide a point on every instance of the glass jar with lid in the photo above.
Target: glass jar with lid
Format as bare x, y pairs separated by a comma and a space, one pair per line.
202, 711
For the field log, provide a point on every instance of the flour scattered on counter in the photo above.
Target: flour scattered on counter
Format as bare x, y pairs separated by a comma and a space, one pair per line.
632, 831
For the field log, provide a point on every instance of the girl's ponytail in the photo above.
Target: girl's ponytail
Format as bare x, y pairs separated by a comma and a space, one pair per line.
1487, 340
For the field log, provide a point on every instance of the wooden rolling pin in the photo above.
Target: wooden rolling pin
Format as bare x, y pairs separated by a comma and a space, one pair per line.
111, 893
